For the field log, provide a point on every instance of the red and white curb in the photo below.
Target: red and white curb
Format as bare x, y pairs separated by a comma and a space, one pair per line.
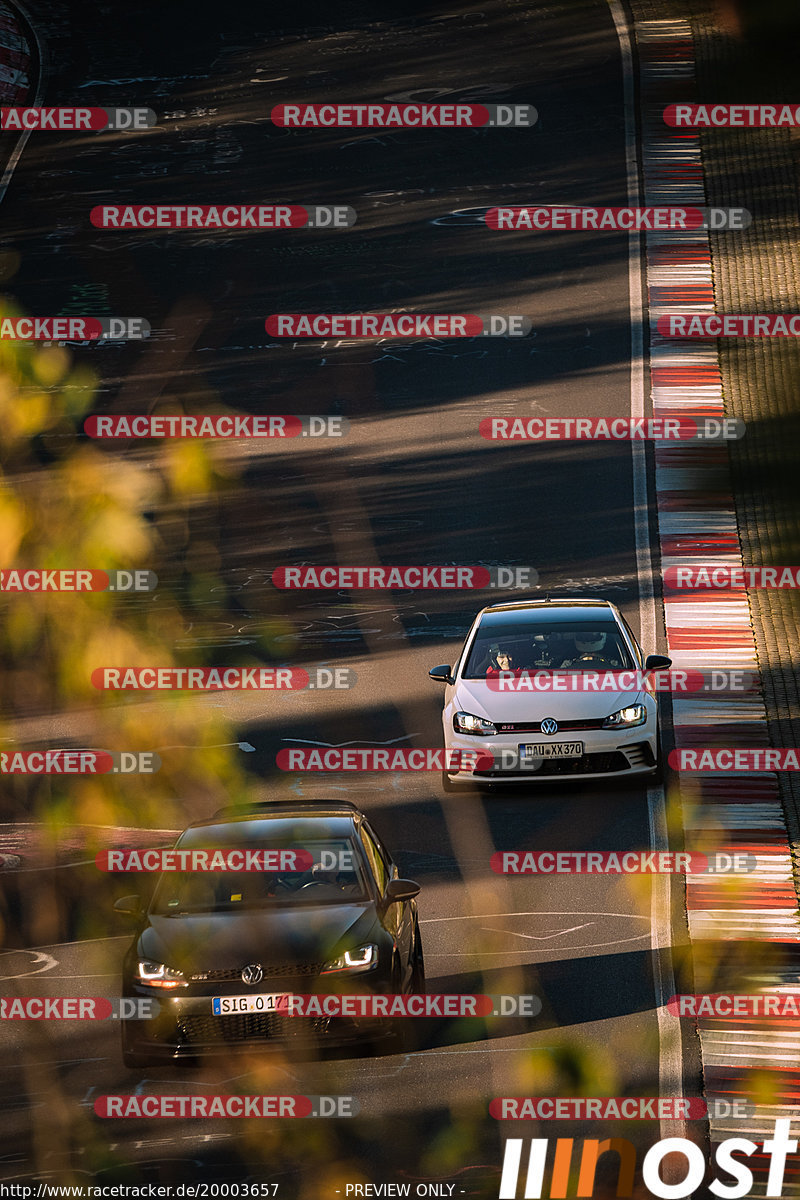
15, 60
697, 523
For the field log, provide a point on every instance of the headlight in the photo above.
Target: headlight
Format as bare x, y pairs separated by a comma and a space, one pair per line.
626, 717
159, 976
362, 959
464, 722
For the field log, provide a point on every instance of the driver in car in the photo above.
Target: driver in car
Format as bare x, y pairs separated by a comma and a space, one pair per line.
331, 878
589, 649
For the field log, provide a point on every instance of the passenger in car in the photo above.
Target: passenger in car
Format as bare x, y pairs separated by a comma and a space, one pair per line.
500, 660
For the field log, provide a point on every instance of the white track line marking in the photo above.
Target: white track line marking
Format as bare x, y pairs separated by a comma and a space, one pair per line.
47, 961
670, 1067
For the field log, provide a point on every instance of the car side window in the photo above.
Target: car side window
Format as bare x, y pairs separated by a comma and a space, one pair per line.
376, 860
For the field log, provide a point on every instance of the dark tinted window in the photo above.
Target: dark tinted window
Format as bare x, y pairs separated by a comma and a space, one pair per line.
335, 876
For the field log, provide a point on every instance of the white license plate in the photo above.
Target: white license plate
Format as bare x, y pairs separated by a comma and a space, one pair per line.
552, 750
267, 1002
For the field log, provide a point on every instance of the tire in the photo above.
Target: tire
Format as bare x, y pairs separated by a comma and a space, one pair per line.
418, 969
658, 775
397, 1027
407, 1031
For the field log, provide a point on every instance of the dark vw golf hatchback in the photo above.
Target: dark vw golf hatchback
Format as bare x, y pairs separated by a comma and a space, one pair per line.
220, 951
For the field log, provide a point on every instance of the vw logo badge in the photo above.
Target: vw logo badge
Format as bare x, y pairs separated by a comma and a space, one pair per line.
253, 973
549, 726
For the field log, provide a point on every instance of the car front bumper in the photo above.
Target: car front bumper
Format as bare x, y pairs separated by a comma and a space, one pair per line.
608, 753
186, 1027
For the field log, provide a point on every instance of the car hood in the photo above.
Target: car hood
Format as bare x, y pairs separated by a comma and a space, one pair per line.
225, 941
475, 696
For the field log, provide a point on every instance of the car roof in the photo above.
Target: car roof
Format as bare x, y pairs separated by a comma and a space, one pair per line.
288, 808
535, 611
278, 819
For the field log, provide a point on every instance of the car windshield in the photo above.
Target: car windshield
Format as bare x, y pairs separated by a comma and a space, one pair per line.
514, 645
334, 876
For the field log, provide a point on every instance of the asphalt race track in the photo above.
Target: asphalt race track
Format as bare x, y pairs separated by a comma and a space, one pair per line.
412, 482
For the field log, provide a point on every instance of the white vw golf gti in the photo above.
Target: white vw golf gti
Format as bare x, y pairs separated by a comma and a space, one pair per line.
549, 689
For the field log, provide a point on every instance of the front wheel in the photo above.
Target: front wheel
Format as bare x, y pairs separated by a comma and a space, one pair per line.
418, 968
408, 1031
658, 775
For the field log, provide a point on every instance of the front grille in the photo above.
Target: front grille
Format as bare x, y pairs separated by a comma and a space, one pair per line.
536, 727
246, 1027
271, 971
588, 764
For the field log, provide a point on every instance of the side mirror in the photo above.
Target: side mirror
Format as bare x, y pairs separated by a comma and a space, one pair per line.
657, 662
441, 674
129, 906
401, 889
